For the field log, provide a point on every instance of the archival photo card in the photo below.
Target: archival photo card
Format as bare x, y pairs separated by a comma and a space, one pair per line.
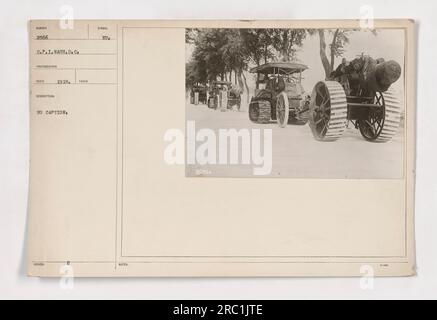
221, 148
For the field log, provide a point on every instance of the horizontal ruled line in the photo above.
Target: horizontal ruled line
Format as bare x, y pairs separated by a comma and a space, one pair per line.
68, 84
224, 262
54, 68
76, 54
75, 39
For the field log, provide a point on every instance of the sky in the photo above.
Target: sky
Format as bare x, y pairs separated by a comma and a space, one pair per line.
387, 44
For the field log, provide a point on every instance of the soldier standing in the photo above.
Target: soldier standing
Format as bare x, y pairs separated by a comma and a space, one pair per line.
341, 73
224, 98
341, 69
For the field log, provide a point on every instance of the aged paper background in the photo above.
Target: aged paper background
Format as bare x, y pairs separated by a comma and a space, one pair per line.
104, 201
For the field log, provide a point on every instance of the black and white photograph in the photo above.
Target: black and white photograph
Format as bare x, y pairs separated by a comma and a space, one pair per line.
295, 103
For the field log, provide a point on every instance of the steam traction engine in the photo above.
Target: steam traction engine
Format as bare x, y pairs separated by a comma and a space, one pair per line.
361, 94
283, 98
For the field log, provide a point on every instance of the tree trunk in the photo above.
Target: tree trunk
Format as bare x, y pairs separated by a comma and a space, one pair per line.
257, 76
285, 45
323, 56
240, 81
334, 39
246, 86
265, 53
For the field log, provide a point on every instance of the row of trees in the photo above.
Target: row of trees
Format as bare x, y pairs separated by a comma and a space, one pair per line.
226, 53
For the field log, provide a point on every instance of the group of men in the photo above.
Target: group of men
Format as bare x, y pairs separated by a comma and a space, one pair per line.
366, 73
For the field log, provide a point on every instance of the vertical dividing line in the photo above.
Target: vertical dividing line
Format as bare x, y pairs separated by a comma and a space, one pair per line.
406, 117
116, 164
122, 138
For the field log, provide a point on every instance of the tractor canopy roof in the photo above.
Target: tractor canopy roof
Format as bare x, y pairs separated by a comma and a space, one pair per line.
222, 82
280, 67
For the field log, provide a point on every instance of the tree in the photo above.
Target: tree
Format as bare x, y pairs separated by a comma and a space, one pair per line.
258, 44
325, 62
235, 57
286, 42
195, 73
205, 54
340, 38
221, 53
191, 34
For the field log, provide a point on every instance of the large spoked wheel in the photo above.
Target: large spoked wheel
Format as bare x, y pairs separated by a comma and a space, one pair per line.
382, 123
371, 127
282, 109
328, 111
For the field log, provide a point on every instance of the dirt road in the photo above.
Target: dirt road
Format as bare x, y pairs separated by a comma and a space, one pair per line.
296, 154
